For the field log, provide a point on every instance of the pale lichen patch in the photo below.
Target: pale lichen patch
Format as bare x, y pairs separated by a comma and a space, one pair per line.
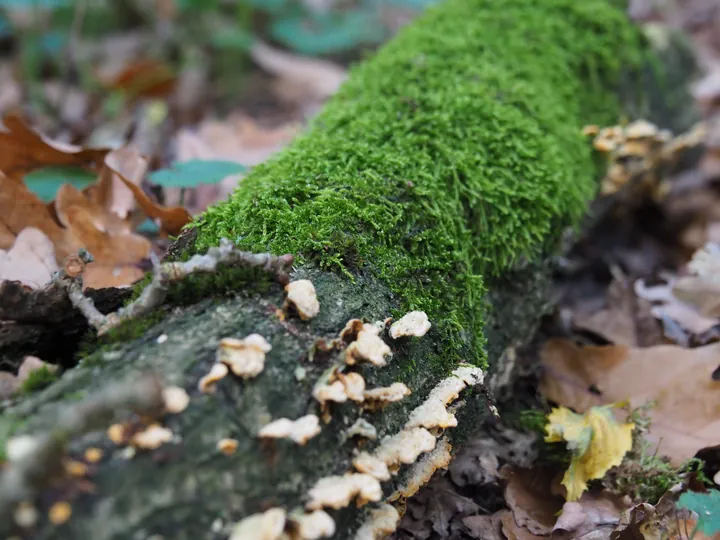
382, 522
338, 491
301, 430
208, 382
369, 347
415, 323
266, 526
313, 525
245, 357
302, 296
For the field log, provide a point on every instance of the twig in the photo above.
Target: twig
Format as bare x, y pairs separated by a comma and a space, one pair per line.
26, 475
163, 275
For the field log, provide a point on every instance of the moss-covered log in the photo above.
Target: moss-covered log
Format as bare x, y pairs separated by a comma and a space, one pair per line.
438, 179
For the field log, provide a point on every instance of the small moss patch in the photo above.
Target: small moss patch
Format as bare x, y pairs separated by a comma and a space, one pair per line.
38, 379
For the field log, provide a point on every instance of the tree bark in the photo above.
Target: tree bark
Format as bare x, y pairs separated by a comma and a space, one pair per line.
439, 179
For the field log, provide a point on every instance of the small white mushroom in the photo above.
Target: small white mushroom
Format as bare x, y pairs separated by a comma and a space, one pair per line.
382, 522
152, 437
208, 382
387, 394
176, 399
415, 323
301, 430
301, 294
338, 491
354, 386
245, 357
368, 346
369, 464
362, 428
330, 392
316, 524
266, 526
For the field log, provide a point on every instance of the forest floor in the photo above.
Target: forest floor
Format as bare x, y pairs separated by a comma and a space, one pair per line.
635, 336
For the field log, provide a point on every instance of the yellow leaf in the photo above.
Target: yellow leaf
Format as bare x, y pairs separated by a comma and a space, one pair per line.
597, 441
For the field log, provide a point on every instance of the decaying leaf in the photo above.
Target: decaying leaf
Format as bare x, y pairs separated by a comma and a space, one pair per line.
679, 381
24, 150
596, 440
31, 260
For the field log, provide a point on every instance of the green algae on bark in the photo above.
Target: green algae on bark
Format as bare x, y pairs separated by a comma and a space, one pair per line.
449, 156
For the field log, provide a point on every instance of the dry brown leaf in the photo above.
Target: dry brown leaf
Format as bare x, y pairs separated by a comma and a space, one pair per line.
69, 197
686, 416
19, 209
23, 150
513, 531
106, 248
111, 192
144, 78
98, 276
668, 305
529, 497
31, 260
171, 218
301, 79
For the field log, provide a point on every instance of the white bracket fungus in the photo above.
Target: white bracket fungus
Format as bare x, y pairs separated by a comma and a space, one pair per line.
176, 399
301, 430
152, 437
362, 428
368, 346
433, 412
266, 526
369, 464
207, 383
354, 385
314, 525
415, 323
330, 392
302, 296
380, 397
338, 491
421, 472
245, 357
382, 522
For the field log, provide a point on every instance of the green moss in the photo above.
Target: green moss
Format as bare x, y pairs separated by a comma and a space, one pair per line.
448, 157
38, 379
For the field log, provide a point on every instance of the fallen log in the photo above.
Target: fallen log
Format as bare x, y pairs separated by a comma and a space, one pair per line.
439, 179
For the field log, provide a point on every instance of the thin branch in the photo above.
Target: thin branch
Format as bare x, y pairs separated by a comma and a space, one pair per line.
163, 275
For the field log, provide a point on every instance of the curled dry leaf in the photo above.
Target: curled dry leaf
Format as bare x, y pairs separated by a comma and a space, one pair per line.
684, 419
24, 150
31, 260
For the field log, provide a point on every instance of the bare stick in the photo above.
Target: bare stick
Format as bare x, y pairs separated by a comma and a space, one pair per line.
163, 275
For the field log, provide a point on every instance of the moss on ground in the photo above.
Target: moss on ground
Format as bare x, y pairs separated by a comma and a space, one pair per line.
447, 157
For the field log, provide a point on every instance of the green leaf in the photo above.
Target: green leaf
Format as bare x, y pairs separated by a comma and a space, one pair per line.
706, 506
330, 32
45, 182
235, 39
189, 174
